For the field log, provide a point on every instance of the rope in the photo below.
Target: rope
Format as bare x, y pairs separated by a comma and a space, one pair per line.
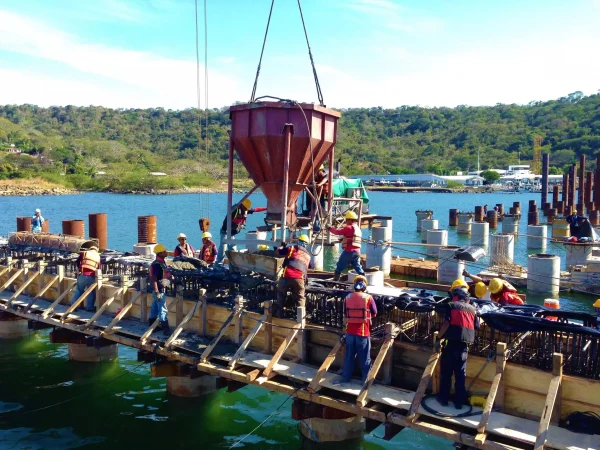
261, 53
312, 62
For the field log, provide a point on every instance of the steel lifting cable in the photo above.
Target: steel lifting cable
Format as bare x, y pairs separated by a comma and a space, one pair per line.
312, 62
262, 51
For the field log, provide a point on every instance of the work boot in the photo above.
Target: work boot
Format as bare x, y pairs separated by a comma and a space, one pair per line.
151, 322
165, 328
336, 276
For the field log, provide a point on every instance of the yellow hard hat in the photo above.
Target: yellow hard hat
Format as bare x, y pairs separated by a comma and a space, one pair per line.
496, 285
206, 235
459, 283
360, 278
247, 203
304, 238
351, 215
263, 247
597, 303
159, 248
322, 167
480, 289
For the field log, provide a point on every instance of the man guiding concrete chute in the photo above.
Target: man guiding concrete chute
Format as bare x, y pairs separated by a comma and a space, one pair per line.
238, 221
351, 243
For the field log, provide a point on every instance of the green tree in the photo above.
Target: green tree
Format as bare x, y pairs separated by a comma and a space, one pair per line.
490, 176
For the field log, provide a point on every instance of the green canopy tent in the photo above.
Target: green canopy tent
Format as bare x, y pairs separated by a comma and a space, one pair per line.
341, 186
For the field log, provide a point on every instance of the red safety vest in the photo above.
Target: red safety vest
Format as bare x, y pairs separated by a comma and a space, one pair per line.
355, 240
90, 260
186, 250
462, 322
357, 307
297, 258
209, 253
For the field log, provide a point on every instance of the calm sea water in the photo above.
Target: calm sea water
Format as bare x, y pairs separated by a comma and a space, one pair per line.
49, 402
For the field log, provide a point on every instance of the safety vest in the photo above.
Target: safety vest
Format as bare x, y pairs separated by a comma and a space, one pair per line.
238, 221
357, 307
512, 298
186, 250
208, 253
462, 322
298, 258
459, 294
90, 260
355, 240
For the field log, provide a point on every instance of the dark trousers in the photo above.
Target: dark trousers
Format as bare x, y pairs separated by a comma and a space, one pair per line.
293, 285
453, 361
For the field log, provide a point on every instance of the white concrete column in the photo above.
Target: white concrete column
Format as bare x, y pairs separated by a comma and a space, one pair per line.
422, 215
465, 223
510, 224
438, 237
543, 273
332, 430
536, 236
13, 327
426, 225
502, 249
480, 233
379, 253
83, 353
191, 387
449, 269
577, 254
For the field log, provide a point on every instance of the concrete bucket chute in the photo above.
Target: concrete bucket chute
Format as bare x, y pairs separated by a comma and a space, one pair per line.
50, 242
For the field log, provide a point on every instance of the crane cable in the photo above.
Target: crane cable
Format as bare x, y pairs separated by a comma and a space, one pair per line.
262, 51
312, 61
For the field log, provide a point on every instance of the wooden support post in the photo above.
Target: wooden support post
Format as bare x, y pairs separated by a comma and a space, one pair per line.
281, 350
41, 292
494, 390
99, 291
314, 385
60, 271
121, 314
25, 266
41, 268
239, 307
268, 311
389, 358
182, 323
435, 376
553, 392
203, 312
101, 309
11, 280
361, 400
23, 286
79, 301
301, 341
51, 308
423, 384
144, 300
179, 307
240, 351
207, 351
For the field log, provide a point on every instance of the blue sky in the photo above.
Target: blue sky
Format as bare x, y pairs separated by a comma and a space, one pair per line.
141, 53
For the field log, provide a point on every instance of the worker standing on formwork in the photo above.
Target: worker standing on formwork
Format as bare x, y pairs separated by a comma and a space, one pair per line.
208, 254
351, 243
88, 263
457, 332
359, 309
238, 222
295, 273
183, 248
160, 280
37, 221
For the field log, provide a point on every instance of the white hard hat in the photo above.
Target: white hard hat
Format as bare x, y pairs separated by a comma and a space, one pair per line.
181, 235
38, 210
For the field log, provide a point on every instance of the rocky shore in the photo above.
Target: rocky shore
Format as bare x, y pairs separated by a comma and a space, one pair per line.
31, 190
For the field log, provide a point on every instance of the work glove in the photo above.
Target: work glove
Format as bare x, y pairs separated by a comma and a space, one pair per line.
250, 211
465, 273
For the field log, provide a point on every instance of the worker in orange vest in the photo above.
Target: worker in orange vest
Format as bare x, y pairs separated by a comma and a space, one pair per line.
351, 244
295, 273
208, 254
359, 309
184, 248
503, 292
239, 215
88, 263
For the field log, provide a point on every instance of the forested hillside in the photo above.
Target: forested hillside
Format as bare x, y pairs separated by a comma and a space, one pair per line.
128, 143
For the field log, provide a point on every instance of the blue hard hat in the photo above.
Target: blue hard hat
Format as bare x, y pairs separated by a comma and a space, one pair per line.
360, 286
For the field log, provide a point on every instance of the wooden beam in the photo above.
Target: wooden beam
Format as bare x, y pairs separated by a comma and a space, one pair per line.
301, 341
435, 376
237, 323
6, 269
361, 400
246, 342
281, 350
80, 300
11, 280
179, 308
50, 308
203, 312
314, 385
423, 384
101, 310
41, 292
388, 362
21, 289
182, 324
121, 314
553, 389
268, 311
207, 351
491, 398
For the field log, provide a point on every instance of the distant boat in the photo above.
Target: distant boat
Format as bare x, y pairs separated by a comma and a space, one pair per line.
399, 182
383, 182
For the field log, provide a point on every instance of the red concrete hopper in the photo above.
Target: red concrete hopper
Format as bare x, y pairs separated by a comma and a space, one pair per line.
257, 130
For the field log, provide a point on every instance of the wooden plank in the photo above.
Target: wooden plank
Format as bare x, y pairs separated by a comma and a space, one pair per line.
207, 351
557, 371
281, 350
361, 400
435, 376
80, 300
179, 308
49, 310
301, 341
181, 325
423, 384
203, 313
547, 413
388, 362
121, 314
246, 342
268, 343
101, 310
237, 323
21, 289
41, 292
11, 280
314, 385
487, 409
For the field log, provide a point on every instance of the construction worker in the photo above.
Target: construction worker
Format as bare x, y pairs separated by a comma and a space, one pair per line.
351, 243
159, 281
208, 254
459, 288
457, 332
88, 263
359, 309
183, 248
37, 221
597, 308
238, 222
295, 272
477, 286
503, 292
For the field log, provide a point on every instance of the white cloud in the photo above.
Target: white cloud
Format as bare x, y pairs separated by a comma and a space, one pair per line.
226, 59
152, 80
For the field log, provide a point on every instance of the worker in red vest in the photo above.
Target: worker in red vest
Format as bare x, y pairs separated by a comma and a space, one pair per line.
351, 244
88, 263
295, 273
183, 249
504, 293
208, 254
359, 309
457, 332
238, 222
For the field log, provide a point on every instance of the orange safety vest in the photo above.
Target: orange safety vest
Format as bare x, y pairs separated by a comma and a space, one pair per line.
357, 307
208, 253
355, 240
90, 260
298, 258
